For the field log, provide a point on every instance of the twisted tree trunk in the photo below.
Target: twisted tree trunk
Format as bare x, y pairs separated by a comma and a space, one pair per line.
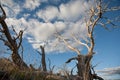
11, 42
84, 67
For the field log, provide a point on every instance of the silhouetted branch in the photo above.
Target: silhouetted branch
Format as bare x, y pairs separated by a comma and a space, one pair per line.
39, 52
69, 60
20, 38
3, 17
11, 42
73, 69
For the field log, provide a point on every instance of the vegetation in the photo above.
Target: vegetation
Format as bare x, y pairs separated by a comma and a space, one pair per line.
17, 69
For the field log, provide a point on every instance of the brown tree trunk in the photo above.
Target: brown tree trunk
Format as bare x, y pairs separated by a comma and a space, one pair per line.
83, 67
18, 61
14, 48
11, 42
43, 59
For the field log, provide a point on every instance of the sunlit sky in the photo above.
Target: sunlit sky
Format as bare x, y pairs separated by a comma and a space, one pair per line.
40, 19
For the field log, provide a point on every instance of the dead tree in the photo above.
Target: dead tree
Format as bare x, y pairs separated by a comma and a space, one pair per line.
84, 61
43, 60
13, 43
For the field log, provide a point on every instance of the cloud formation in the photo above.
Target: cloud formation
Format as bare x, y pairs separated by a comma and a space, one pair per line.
48, 13
31, 4
71, 11
11, 8
110, 71
67, 19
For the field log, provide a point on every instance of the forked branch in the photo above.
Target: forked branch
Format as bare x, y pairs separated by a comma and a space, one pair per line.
68, 45
80, 42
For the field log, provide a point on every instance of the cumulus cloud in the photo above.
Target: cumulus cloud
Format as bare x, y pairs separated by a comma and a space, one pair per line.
11, 8
38, 32
71, 11
74, 10
67, 21
48, 13
31, 4
110, 71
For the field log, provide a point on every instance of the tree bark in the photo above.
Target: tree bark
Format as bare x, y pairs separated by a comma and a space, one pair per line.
43, 59
12, 43
83, 67
14, 48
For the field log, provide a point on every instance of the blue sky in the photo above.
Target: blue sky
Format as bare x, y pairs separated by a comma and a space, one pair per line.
42, 18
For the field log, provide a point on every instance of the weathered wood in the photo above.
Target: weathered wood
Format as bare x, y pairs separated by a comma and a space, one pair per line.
83, 66
43, 59
12, 43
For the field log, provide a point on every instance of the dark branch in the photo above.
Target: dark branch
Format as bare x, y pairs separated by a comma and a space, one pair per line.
69, 60
20, 38
3, 17
39, 52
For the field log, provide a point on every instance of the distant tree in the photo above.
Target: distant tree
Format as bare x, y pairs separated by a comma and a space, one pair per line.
43, 60
95, 17
13, 43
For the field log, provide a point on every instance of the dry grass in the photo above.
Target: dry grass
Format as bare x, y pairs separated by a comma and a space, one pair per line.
8, 71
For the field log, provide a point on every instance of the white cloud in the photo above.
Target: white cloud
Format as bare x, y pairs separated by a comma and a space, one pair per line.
11, 8
26, 15
74, 10
48, 13
31, 4
110, 71
37, 32
71, 11
17, 23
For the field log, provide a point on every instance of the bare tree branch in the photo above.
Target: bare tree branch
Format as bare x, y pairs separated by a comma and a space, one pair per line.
39, 52
69, 60
12, 43
3, 17
94, 18
20, 38
73, 69
79, 42
68, 45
